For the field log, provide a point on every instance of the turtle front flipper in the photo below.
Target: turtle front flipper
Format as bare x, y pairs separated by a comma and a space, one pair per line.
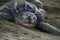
6, 16
45, 27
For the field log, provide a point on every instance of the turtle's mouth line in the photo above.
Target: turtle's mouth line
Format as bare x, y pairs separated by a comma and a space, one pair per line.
25, 24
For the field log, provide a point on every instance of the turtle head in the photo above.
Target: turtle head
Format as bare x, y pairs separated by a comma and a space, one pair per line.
27, 19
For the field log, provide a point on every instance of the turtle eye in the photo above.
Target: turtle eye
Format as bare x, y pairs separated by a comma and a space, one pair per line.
33, 18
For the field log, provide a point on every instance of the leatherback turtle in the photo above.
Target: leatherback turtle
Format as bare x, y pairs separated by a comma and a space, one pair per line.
27, 15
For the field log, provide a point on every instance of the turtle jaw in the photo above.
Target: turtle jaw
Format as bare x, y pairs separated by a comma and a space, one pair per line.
22, 23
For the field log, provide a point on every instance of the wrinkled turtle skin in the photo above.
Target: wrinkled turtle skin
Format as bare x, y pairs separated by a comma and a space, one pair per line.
23, 13
38, 3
